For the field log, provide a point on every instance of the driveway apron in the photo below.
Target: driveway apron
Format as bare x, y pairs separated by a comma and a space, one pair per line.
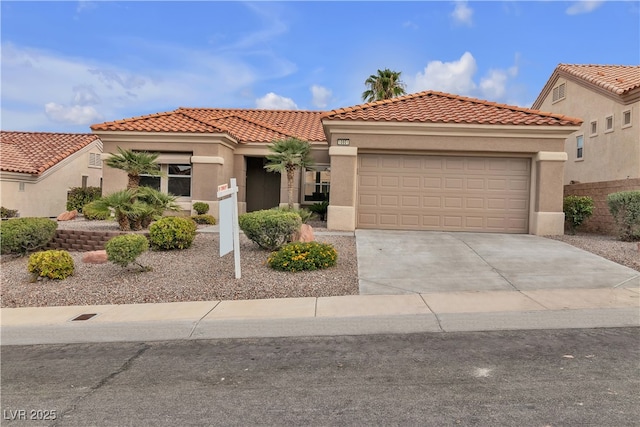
404, 262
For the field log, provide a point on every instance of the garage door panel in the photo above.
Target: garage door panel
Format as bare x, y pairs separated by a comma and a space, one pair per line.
443, 193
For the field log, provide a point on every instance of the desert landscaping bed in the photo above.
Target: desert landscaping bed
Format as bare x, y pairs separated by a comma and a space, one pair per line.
194, 274
199, 274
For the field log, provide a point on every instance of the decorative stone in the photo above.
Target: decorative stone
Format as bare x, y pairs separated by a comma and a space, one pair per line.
306, 233
95, 257
68, 215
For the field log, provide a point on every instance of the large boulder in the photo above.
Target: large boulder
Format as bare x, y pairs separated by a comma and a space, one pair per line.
95, 257
306, 234
68, 215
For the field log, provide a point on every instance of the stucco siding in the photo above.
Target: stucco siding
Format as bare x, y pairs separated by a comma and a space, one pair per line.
607, 155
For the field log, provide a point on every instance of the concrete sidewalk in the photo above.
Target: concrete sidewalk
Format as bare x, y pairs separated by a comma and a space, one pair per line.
344, 315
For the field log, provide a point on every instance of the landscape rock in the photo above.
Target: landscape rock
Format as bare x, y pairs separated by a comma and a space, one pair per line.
95, 257
306, 233
68, 215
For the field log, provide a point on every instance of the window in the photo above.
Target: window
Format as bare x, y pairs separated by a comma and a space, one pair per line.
559, 92
594, 128
317, 182
21, 187
626, 118
608, 124
579, 146
85, 179
94, 160
175, 179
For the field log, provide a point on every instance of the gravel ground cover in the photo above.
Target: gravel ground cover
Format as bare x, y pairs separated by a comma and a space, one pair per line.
199, 274
194, 274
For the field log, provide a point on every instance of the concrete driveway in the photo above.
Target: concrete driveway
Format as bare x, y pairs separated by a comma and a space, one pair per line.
405, 262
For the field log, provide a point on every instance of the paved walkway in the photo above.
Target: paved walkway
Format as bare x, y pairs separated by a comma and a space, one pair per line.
433, 291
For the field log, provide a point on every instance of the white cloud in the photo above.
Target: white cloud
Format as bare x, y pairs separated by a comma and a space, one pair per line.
494, 85
271, 101
462, 13
321, 96
453, 77
586, 6
75, 115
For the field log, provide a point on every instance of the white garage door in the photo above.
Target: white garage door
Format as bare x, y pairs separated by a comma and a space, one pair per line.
448, 193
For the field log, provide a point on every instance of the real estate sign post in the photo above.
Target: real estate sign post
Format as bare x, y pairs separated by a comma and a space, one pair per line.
229, 230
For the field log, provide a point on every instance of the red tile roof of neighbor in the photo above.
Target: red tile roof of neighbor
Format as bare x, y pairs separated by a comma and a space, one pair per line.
35, 152
618, 79
439, 107
247, 125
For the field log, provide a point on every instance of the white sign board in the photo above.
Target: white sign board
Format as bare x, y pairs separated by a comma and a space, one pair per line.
228, 228
226, 225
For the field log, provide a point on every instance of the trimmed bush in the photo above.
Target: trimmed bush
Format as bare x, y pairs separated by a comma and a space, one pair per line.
77, 197
201, 208
271, 228
52, 264
299, 256
8, 213
576, 210
123, 250
625, 209
204, 219
172, 232
22, 235
92, 212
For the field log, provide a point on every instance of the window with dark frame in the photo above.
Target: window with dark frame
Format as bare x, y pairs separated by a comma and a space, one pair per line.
579, 146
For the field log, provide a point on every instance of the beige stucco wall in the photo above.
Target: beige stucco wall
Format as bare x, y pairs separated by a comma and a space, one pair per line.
606, 156
46, 196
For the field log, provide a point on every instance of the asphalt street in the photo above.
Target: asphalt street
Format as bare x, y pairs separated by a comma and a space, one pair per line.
507, 378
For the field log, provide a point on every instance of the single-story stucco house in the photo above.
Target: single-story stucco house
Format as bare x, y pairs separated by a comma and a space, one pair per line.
37, 169
424, 161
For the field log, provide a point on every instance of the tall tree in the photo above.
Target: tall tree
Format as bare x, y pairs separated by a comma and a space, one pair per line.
134, 163
289, 155
384, 85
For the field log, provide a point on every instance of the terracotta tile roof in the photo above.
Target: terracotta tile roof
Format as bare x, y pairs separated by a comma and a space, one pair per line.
241, 124
618, 79
35, 152
438, 107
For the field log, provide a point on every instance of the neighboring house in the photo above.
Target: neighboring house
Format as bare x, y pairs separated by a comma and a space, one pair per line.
604, 153
425, 161
37, 169
607, 99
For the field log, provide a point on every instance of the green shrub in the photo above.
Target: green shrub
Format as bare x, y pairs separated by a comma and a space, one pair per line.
77, 197
204, 219
201, 208
625, 209
8, 213
576, 210
304, 214
52, 264
320, 209
123, 250
172, 232
22, 235
303, 256
92, 212
271, 228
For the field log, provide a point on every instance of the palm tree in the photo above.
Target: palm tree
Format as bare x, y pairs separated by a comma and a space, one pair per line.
288, 156
134, 163
385, 85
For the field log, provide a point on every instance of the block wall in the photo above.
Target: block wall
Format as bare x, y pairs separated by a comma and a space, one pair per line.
601, 222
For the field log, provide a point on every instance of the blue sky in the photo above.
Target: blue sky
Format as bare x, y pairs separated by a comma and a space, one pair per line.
67, 65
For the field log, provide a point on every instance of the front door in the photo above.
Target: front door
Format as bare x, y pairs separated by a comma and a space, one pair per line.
263, 188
